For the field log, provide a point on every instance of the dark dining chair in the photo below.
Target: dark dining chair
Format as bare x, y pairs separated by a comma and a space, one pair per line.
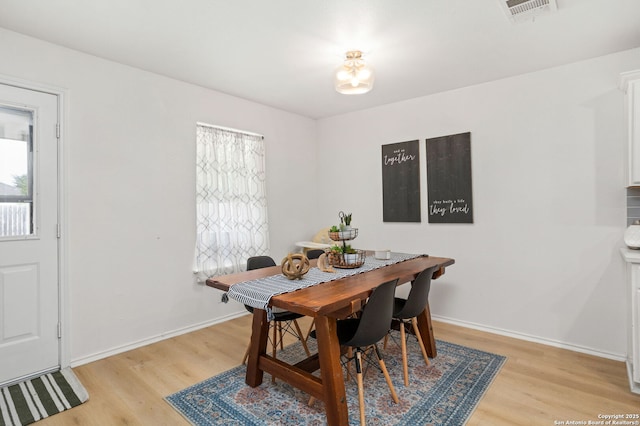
314, 254
284, 322
405, 312
364, 332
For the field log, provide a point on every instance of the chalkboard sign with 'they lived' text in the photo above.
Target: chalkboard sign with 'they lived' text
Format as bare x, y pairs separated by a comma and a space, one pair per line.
449, 179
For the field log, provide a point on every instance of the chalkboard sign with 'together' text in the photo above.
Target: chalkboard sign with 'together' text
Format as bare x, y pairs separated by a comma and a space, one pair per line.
401, 182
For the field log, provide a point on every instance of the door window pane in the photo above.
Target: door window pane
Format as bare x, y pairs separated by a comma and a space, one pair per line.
16, 172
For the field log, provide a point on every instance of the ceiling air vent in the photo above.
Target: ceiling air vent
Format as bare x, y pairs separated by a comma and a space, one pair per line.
524, 10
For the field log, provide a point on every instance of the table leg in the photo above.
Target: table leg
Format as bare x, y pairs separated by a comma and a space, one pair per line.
426, 331
335, 399
259, 337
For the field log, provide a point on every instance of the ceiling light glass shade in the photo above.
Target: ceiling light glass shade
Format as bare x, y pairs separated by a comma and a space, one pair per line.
355, 76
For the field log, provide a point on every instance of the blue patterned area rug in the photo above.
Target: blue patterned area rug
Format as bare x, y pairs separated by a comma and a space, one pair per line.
445, 393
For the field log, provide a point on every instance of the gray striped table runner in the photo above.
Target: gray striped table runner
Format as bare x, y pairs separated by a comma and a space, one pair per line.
257, 293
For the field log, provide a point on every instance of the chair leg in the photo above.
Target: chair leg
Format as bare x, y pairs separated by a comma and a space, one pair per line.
281, 336
403, 344
414, 323
348, 364
246, 353
274, 343
313, 322
274, 348
302, 339
360, 386
383, 367
386, 339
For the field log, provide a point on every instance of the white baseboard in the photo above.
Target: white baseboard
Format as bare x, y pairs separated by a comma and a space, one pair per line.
530, 338
134, 345
521, 336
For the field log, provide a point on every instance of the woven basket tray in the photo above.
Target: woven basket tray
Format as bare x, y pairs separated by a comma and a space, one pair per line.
346, 261
344, 235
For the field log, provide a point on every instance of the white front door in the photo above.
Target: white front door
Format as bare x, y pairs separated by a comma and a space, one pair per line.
29, 291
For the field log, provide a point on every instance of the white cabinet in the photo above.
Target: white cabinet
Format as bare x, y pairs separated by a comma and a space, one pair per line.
635, 333
630, 84
633, 339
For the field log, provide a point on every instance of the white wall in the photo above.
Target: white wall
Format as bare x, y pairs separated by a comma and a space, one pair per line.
541, 260
130, 191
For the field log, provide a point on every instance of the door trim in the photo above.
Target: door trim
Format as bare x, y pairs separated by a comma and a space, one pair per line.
63, 286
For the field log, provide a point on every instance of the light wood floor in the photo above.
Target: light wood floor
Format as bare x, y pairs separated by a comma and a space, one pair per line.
538, 384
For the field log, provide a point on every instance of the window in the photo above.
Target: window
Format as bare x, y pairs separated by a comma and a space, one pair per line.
16, 172
231, 201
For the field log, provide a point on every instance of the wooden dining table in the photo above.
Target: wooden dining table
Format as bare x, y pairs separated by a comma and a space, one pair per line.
325, 303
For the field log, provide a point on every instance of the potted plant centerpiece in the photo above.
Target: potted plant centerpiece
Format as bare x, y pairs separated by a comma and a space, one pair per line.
350, 255
334, 254
345, 226
334, 233
345, 221
343, 255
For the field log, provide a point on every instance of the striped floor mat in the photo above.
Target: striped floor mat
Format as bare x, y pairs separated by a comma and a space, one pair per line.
32, 400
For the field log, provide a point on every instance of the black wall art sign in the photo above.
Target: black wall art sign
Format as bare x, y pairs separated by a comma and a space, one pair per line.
449, 179
401, 182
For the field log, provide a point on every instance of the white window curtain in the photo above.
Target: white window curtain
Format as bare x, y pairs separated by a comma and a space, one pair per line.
231, 201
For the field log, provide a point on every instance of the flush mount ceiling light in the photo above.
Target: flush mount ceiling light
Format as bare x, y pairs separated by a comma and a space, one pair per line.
355, 76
